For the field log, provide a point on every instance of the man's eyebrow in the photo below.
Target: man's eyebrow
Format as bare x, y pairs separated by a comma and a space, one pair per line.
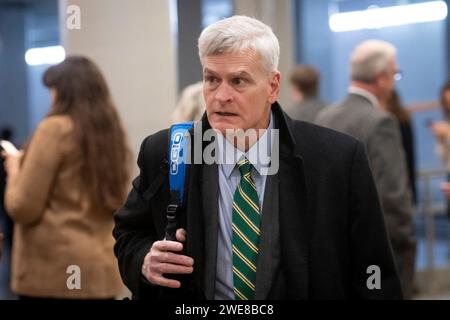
206, 70
240, 74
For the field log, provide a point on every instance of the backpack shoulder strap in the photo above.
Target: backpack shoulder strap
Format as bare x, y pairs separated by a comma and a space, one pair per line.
178, 155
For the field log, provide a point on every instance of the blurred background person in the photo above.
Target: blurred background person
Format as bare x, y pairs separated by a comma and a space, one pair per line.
6, 226
62, 190
6, 222
304, 81
441, 130
394, 106
191, 105
2, 212
373, 71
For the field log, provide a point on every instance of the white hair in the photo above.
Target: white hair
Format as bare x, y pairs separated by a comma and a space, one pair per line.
238, 34
370, 58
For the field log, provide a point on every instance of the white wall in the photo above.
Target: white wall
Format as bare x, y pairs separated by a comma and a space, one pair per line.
132, 43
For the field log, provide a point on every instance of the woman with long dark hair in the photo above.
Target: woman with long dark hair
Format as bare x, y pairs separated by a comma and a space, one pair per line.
394, 106
406, 262
63, 189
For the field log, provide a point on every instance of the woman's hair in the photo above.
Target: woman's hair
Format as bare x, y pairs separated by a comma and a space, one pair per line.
82, 94
394, 106
444, 104
238, 34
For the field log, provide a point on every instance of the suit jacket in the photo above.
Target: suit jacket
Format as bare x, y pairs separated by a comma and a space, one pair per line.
407, 136
55, 225
307, 110
329, 222
379, 132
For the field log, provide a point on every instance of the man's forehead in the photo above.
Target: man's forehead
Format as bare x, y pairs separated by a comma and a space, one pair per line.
233, 63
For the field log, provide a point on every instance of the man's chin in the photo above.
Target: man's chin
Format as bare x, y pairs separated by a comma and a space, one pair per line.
223, 127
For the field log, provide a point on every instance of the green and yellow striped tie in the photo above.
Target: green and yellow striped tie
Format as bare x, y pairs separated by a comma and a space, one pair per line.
246, 231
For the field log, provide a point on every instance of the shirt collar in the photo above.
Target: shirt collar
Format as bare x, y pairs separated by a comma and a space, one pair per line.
258, 155
366, 94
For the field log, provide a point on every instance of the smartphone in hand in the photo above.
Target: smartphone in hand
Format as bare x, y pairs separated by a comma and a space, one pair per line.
8, 147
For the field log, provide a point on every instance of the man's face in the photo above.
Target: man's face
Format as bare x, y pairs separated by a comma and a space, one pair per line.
447, 99
238, 92
386, 81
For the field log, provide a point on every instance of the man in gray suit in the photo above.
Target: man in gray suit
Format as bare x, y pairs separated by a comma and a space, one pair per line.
305, 86
373, 74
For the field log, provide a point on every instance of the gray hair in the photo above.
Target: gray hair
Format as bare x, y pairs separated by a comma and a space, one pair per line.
370, 58
238, 34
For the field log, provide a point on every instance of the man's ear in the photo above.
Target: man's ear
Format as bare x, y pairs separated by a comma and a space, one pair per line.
274, 86
381, 78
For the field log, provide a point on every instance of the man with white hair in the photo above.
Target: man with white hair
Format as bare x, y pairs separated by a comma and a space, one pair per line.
313, 229
361, 115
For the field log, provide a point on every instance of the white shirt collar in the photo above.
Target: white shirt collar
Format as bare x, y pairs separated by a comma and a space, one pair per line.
258, 155
366, 94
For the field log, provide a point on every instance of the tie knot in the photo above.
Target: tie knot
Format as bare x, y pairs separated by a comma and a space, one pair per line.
244, 166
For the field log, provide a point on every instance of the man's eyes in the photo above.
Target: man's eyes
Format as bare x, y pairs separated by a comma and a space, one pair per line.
238, 81
212, 79
234, 81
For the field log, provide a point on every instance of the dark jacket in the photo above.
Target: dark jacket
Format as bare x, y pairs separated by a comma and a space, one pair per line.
2, 181
407, 136
331, 224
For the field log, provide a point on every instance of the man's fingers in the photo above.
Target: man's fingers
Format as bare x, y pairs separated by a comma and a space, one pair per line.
164, 282
164, 251
181, 235
174, 269
166, 245
169, 257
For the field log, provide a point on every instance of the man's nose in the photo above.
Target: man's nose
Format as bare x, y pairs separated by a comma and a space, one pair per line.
224, 93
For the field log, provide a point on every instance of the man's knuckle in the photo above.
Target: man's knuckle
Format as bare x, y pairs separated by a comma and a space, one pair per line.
152, 256
164, 268
169, 256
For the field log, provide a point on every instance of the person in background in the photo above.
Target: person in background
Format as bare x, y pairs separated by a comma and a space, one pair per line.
63, 188
6, 226
2, 212
394, 106
191, 105
362, 115
5, 134
305, 82
441, 130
